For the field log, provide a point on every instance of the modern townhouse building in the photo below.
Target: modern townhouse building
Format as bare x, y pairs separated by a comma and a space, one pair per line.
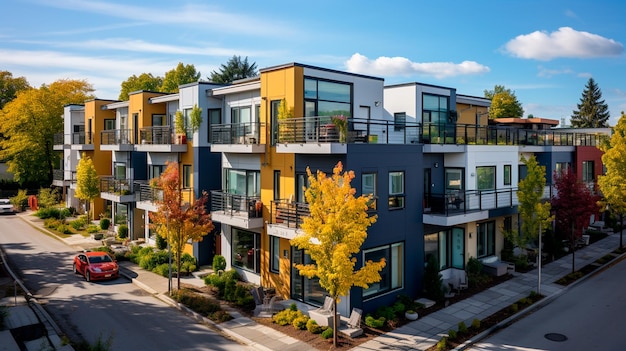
444, 177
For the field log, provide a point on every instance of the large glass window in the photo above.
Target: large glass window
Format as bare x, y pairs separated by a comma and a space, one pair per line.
486, 239
242, 182
486, 178
156, 170
448, 247
215, 117
435, 109
245, 250
274, 254
120, 171
302, 183
186, 176
392, 275
588, 172
396, 190
454, 179
368, 186
507, 174
325, 98
274, 104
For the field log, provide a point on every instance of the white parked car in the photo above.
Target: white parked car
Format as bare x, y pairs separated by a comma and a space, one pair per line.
5, 206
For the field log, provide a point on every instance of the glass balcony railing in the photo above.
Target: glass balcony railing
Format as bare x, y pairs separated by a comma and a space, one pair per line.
236, 205
236, 133
115, 186
289, 213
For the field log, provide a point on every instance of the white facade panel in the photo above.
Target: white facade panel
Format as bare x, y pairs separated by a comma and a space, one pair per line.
241, 161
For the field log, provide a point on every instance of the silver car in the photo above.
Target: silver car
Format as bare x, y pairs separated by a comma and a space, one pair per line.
6, 206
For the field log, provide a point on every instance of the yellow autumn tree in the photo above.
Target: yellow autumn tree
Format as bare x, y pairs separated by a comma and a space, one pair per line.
87, 182
613, 183
334, 233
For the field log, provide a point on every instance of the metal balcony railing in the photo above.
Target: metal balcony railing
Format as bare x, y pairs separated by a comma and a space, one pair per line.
157, 135
236, 205
146, 192
236, 133
470, 134
82, 138
289, 214
326, 129
115, 137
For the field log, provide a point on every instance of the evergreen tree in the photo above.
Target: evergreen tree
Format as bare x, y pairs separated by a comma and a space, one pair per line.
592, 111
233, 70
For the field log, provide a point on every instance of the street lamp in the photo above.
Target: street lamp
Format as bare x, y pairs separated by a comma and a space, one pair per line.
169, 253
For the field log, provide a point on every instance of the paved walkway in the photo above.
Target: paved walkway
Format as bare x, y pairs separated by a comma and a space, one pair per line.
417, 335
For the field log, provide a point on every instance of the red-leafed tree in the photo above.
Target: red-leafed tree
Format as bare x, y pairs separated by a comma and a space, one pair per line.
178, 221
573, 205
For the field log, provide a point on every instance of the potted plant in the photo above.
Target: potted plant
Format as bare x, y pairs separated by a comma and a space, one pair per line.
411, 315
181, 130
341, 122
195, 121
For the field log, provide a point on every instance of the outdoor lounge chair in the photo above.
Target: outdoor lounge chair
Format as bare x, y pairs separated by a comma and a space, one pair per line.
324, 315
353, 326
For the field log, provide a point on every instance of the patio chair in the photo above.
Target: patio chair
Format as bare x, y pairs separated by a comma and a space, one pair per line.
463, 282
273, 306
324, 315
353, 326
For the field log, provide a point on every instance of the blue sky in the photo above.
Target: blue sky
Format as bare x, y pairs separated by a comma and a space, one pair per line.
545, 51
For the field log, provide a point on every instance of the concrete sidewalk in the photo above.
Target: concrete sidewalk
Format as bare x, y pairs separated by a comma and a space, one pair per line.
417, 335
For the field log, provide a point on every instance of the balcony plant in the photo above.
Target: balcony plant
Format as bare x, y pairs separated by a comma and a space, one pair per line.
341, 123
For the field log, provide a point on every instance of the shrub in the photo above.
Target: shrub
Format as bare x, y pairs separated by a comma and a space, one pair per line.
432, 280
52, 223
474, 266
19, 201
286, 317
63, 228
398, 308
374, 322
47, 197
327, 334
514, 308
161, 244
105, 223
49, 212
219, 263
386, 312
162, 270
78, 224
4, 313
220, 316
462, 328
293, 307
201, 304
476, 323
65, 212
300, 322
452, 334
442, 344
122, 231
103, 249
313, 327
409, 303
93, 229
220, 281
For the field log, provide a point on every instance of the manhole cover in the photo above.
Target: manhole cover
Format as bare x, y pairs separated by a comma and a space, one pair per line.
555, 337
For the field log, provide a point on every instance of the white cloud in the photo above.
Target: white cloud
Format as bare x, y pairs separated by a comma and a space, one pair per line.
401, 66
548, 73
571, 14
566, 42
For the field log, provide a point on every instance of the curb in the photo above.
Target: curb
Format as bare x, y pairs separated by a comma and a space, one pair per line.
543, 302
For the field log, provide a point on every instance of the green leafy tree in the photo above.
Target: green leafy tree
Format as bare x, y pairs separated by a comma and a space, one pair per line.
572, 205
178, 76
504, 103
29, 123
9, 87
534, 212
334, 233
612, 182
47, 197
234, 69
87, 182
186, 222
592, 111
145, 81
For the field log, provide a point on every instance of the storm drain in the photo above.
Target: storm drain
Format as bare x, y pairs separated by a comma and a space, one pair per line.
555, 337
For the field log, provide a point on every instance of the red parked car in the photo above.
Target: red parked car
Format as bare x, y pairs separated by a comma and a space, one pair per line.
95, 265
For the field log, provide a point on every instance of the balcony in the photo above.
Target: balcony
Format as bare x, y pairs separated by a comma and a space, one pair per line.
160, 139
147, 196
470, 134
116, 140
62, 177
237, 210
74, 141
468, 206
319, 135
58, 142
286, 218
237, 138
116, 190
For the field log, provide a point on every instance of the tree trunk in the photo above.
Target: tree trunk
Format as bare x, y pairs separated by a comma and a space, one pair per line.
178, 271
335, 322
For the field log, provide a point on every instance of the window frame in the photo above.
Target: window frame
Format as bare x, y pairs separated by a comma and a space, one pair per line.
588, 171
506, 172
256, 248
372, 203
392, 275
187, 171
399, 121
396, 198
486, 239
274, 254
479, 176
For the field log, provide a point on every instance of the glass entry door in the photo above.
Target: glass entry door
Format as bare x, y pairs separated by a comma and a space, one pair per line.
302, 288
